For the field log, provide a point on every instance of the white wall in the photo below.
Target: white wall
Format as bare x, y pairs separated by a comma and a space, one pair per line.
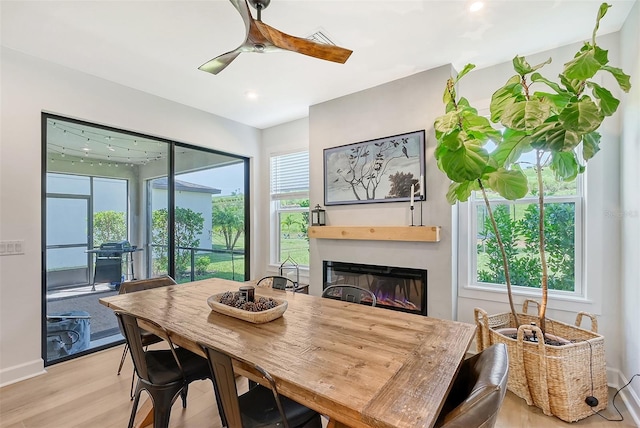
404, 105
290, 137
630, 214
30, 86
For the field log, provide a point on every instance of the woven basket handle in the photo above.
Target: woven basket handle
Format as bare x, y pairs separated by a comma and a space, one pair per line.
525, 306
482, 331
540, 372
594, 320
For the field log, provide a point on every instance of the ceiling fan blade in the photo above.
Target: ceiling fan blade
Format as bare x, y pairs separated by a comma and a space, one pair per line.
303, 46
220, 62
245, 13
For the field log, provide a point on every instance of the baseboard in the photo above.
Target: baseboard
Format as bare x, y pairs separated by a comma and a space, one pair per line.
21, 372
630, 399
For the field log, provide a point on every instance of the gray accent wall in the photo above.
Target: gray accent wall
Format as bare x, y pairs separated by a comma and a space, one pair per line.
401, 106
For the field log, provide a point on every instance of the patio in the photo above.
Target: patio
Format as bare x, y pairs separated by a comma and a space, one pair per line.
103, 323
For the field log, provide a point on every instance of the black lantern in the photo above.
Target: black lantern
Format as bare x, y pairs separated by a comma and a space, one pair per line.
318, 216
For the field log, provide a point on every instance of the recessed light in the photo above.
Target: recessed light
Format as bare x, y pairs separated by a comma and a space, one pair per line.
251, 95
476, 6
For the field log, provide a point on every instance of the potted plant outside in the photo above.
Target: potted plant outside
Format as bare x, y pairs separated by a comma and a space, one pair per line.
557, 122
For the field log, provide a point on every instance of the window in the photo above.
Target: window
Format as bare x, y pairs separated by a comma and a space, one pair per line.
518, 225
290, 205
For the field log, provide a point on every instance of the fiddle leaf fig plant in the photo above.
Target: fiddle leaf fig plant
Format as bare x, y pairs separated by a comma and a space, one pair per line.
557, 121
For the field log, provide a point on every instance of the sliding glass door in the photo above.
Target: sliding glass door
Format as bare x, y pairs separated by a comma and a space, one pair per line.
123, 206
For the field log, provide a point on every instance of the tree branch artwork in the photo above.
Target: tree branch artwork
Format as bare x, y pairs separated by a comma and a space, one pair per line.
381, 170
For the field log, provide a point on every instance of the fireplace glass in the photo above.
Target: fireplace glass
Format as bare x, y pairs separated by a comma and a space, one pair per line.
397, 288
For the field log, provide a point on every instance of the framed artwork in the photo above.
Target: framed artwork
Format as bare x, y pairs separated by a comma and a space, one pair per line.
381, 170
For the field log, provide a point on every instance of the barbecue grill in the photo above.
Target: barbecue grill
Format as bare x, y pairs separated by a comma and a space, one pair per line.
110, 259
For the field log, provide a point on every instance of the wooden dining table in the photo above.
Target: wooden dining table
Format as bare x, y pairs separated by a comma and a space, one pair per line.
359, 365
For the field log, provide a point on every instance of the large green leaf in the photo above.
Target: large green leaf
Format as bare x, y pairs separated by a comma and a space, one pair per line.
463, 105
446, 123
590, 145
602, 11
467, 68
453, 140
537, 77
479, 127
440, 151
608, 103
551, 136
465, 164
564, 165
623, 79
513, 144
584, 66
510, 93
522, 67
574, 86
559, 101
582, 116
510, 184
526, 115
601, 55
559, 139
461, 191
449, 94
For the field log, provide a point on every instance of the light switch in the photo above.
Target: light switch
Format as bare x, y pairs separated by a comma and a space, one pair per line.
8, 248
18, 247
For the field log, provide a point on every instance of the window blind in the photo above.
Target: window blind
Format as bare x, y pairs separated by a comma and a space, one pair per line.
290, 176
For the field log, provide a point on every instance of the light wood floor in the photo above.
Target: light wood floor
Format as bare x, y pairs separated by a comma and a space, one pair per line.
86, 392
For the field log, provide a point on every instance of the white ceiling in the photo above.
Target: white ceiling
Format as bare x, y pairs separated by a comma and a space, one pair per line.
157, 46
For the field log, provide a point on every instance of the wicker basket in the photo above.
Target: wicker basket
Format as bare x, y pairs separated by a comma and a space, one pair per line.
556, 379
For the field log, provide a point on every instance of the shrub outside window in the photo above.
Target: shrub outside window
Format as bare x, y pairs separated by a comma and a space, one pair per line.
518, 225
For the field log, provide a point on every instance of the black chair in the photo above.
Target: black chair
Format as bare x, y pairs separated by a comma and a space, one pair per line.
164, 373
277, 282
350, 293
147, 337
260, 406
478, 390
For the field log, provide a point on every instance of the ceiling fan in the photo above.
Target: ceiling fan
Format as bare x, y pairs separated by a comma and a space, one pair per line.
263, 38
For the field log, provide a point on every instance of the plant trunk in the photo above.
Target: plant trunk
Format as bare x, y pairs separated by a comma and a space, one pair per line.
505, 263
543, 256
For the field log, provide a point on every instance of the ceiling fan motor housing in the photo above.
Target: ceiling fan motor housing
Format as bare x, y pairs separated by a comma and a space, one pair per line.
259, 4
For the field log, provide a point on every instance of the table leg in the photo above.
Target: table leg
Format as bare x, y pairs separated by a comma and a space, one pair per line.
335, 424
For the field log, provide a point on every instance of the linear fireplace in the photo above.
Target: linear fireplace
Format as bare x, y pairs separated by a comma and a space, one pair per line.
397, 288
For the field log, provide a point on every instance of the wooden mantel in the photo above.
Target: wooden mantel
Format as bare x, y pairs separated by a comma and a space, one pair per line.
377, 233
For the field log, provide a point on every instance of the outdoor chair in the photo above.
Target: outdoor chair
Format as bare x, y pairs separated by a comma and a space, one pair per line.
163, 373
478, 390
261, 406
350, 293
146, 337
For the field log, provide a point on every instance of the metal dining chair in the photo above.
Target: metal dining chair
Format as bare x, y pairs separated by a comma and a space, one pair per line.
163, 373
146, 337
277, 282
478, 390
350, 293
261, 406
